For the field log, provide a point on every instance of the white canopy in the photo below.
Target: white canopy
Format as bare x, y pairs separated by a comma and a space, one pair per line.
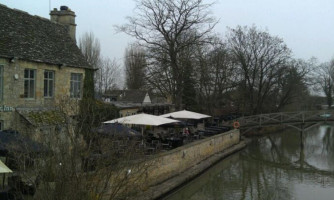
4, 168
185, 114
143, 119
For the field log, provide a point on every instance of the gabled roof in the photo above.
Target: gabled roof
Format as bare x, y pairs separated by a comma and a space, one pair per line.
37, 39
132, 96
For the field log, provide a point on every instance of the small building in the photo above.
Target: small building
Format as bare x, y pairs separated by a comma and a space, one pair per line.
131, 102
40, 62
130, 96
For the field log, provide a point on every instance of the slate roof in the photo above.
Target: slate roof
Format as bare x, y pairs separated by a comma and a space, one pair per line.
37, 39
132, 96
135, 96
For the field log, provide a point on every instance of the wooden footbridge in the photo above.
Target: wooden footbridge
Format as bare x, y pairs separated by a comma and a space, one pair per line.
301, 121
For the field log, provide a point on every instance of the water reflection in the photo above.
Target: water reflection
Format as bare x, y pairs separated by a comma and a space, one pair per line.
277, 166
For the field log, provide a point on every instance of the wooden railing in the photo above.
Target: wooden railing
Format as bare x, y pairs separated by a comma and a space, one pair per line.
294, 119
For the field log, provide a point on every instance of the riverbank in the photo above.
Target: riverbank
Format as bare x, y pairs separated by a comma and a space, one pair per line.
274, 166
168, 186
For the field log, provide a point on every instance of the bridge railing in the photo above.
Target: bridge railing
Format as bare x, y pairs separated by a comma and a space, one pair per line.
284, 118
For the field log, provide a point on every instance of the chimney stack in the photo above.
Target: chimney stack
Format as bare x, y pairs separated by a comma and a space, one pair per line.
66, 17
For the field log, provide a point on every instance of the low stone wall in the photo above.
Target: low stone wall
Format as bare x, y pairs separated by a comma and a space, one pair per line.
176, 161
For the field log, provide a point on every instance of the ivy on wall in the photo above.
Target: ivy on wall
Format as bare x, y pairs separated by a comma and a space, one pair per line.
93, 112
88, 87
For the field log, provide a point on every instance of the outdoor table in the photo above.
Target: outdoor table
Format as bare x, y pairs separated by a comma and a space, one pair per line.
196, 136
165, 145
149, 148
200, 132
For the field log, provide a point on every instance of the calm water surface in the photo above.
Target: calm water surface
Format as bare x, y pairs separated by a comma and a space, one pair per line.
272, 167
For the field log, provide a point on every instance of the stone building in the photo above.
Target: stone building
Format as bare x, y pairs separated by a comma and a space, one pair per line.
40, 63
131, 102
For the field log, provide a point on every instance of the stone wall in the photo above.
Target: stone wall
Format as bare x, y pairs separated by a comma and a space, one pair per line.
13, 88
172, 163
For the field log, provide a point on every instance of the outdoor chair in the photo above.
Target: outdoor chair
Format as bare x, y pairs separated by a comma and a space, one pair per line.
196, 136
149, 148
156, 144
139, 147
165, 146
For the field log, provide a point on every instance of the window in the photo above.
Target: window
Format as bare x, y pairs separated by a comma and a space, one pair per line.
29, 83
75, 90
1, 82
48, 83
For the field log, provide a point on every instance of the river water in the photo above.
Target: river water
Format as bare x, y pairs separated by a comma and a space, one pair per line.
276, 166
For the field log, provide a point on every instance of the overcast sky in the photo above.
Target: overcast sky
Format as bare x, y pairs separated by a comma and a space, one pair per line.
306, 26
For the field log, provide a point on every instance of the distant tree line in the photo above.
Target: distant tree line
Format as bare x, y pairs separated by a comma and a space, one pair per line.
248, 70
324, 80
178, 56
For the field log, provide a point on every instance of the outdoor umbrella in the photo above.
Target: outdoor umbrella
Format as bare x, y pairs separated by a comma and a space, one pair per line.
143, 119
12, 141
4, 168
185, 114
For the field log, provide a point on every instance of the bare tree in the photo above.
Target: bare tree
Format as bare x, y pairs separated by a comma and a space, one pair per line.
101, 166
135, 67
167, 28
325, 79
90, 48
260, 58
107, 77
291, 86
216, 75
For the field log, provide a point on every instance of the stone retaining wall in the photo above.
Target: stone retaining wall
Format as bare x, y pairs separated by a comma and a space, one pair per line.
176, 161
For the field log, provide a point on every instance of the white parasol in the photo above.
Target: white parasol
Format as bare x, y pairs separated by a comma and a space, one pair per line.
185, 114
143, 119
